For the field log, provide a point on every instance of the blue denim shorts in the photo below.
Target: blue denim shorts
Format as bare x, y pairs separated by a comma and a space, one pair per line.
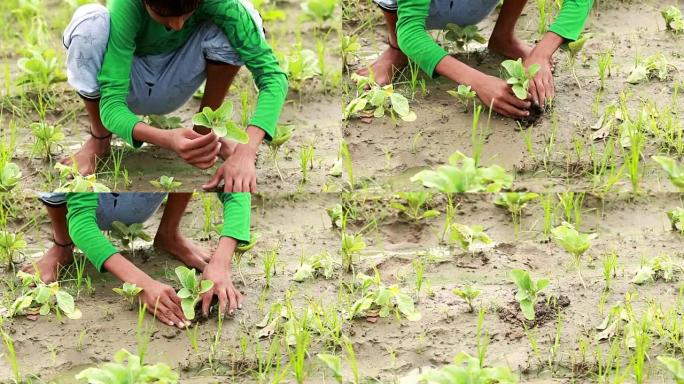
443, 12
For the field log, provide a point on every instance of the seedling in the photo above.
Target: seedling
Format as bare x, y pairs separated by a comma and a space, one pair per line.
573, 242
415, 205
351, 245
518, 77
528, 291
674, 366
9, 177
166, 183
380, 300
318, 265
466, 236
574, 47
300, 65
283, 133
129, 291
468, 369
647, 68
127, 234
11, 244
39, 298
164, 122
334, 364
660, 267
349, 45
40, 69
463, 175
220, 122
72, 181
609, 268
675, 172
376, 101
462, 36
469, 294
464, 95
605, 63
335, 214
128, 368
319, 10
47, 136
193, 288
306, 157
673, 19
676, 217
514, 202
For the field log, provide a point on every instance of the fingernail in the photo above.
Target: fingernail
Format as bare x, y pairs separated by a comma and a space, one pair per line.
180, 325
239, 306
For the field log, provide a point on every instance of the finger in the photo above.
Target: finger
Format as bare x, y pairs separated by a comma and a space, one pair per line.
223, 302
215, 180
246, 185
207, 151
513, 112
174, 298
171, 315
239, 298
541, 92
202, 141
160, 313
252, 185
232, 300
550, 88
532, 90
512, 99
206, 302
176, 312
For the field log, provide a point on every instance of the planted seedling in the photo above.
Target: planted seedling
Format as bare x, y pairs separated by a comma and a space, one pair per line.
334, 364
39, 298
163, 122
462, 36
676, 217
220, 122
466, 237
376, 101
514, 202
349, 45
300, 66
658, 268
675, 172
11, 244
317, 265
127, 234
40, 69
468, 294
351, 245
283, 133
528, 291
128, 291
468, 369
9, 177
463, 175
193, 288
674, 366
574, 48
519, 79
128, 368
306, 159
673, 19
647, 68
319, 10
573, 242
415, 207
464, 95
335, 214
47, 136
166, 183
72, 181
380, 300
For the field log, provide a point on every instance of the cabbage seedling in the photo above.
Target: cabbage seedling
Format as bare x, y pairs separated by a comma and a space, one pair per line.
129, 291
660, 267
9, 177
468, 294
40, 70
462, 36
514, 202
133, 371
40, 298
10, 245
464, 95
351, 245
518, 77
300, 65
349, 45
72, 181
573, 242
380, 300
676, 217
335, 214
673, 19
220, 122
164, 122
47, 136
675, 172
127, 234
376, 101
468, 369
528, 291
193, 288
466, 236
647, 68
415, 205
321, 264
463, 175
166, 183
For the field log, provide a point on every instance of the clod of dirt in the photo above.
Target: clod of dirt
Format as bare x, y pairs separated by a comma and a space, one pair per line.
544, 310
535, 114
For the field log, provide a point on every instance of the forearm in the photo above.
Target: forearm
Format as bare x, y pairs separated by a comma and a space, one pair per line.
256, 136
457, 71
126, 271
223, 257
548, 45
149, 134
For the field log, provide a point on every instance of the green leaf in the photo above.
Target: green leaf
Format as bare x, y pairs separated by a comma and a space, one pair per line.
400, 104
527, 308
65, 302
188, 306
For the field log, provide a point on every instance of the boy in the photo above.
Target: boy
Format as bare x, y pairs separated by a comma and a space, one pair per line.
408, 22
78, 220
150, 56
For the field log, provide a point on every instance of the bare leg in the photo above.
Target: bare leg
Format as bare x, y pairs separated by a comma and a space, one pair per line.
170, 239
96, 147
219, 78
60, 254
503, 40
392, 59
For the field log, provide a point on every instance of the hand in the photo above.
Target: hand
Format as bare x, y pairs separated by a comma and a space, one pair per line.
497, 93
195, 148
238, 172
163, 303
541, 87
229, 297
227, 148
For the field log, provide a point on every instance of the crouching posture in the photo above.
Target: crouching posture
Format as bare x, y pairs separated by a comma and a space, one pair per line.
78, 220
148, 57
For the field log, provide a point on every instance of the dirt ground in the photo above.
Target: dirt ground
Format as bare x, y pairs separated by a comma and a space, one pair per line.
314, 113
389, 153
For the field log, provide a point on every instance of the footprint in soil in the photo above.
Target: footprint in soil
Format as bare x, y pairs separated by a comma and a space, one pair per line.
545, 310
535, 114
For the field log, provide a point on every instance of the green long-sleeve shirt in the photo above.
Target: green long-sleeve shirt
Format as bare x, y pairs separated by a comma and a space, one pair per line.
415, 41
133, 32
87, 236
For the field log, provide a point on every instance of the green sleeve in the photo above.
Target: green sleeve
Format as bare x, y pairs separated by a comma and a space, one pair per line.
571, 18
237, 208
83, 228
114, 76
244, 36
413, 37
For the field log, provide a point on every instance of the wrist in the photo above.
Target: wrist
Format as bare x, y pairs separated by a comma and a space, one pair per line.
548, 45
223, 256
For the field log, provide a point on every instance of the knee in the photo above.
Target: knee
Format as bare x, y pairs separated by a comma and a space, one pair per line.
89, 26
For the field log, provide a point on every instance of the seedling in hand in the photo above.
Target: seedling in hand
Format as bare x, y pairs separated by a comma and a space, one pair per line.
573, 242
220, 122
469, 294
528, 291
127, 234
166, 183
193, 288
129, 291
464, 95
518, 77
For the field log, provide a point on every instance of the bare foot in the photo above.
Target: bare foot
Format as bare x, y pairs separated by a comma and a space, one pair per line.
86, 158
385, 66
182, 249
49, 265
511, 48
